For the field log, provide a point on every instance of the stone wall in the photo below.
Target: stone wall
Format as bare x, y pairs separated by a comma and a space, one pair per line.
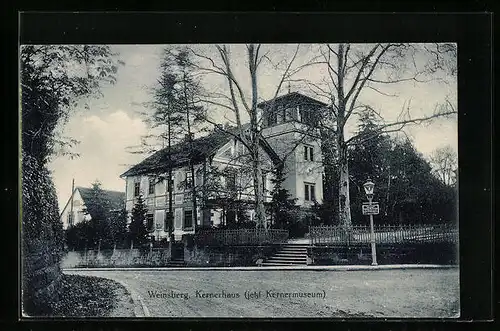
116, 258
208, 256
416, 253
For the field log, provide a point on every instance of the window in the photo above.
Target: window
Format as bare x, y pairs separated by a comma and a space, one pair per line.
159, 224
149, 222
151, 188
271, 117
137, 189
309, 194
189, 179
308, 153
166, 220
188, 219
70, 219
290, 114
231, 181
170, 184
280, 114
307, 116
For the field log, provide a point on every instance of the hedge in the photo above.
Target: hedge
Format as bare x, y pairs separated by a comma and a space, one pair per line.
42, 240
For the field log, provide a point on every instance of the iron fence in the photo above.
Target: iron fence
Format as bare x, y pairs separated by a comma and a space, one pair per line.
240, 237
384, 234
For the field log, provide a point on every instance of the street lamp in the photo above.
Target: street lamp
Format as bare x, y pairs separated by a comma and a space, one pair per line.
369, 186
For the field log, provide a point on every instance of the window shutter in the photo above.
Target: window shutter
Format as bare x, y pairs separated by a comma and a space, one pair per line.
306, 192
178, 218
311, 152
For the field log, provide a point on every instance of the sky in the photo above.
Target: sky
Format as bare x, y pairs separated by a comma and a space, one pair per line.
113, 122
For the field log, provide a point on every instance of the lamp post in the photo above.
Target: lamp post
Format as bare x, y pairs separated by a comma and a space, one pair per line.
369, 186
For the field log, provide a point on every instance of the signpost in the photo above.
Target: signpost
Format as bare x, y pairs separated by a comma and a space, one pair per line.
371, 208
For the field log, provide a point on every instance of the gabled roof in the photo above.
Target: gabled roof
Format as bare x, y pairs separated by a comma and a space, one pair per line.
202, 148
116, 199
292, 98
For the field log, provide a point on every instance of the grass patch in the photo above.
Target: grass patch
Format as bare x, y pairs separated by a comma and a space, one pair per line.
86, 296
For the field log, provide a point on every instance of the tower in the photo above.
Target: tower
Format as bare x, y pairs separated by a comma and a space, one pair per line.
289, 124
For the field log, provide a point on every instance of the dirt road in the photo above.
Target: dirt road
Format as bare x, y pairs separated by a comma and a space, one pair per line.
293, 293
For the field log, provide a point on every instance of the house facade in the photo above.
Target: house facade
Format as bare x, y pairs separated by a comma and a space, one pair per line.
74, 211
222, 171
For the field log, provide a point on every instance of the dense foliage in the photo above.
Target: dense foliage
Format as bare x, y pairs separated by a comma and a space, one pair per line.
42, 242
282, 208
405, 187
137, 228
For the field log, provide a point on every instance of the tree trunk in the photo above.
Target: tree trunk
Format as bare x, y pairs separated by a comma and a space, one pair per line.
170, 188
260, 215
344, 200
205, 210
193, 193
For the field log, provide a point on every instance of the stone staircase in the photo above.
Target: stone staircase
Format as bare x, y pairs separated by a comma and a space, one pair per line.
289, 254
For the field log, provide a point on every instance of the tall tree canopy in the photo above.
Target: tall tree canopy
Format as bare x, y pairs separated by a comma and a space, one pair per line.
55, 79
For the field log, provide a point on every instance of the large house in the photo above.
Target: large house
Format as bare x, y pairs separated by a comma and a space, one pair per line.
74, 211
223, 171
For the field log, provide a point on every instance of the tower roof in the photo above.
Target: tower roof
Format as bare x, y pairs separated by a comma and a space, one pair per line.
294, 98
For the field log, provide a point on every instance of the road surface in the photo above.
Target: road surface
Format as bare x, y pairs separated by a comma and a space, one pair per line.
292, 293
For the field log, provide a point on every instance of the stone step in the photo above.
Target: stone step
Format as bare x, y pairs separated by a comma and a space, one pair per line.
289, 257
281, 264
287, 261
287, 249
286, 254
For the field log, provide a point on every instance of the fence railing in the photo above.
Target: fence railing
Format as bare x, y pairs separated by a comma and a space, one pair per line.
384, 234
240, 237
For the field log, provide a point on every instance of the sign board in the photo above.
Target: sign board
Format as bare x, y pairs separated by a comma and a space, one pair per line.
373, 209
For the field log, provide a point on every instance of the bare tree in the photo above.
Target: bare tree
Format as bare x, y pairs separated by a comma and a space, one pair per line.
354, 69
244, 104
444, 162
